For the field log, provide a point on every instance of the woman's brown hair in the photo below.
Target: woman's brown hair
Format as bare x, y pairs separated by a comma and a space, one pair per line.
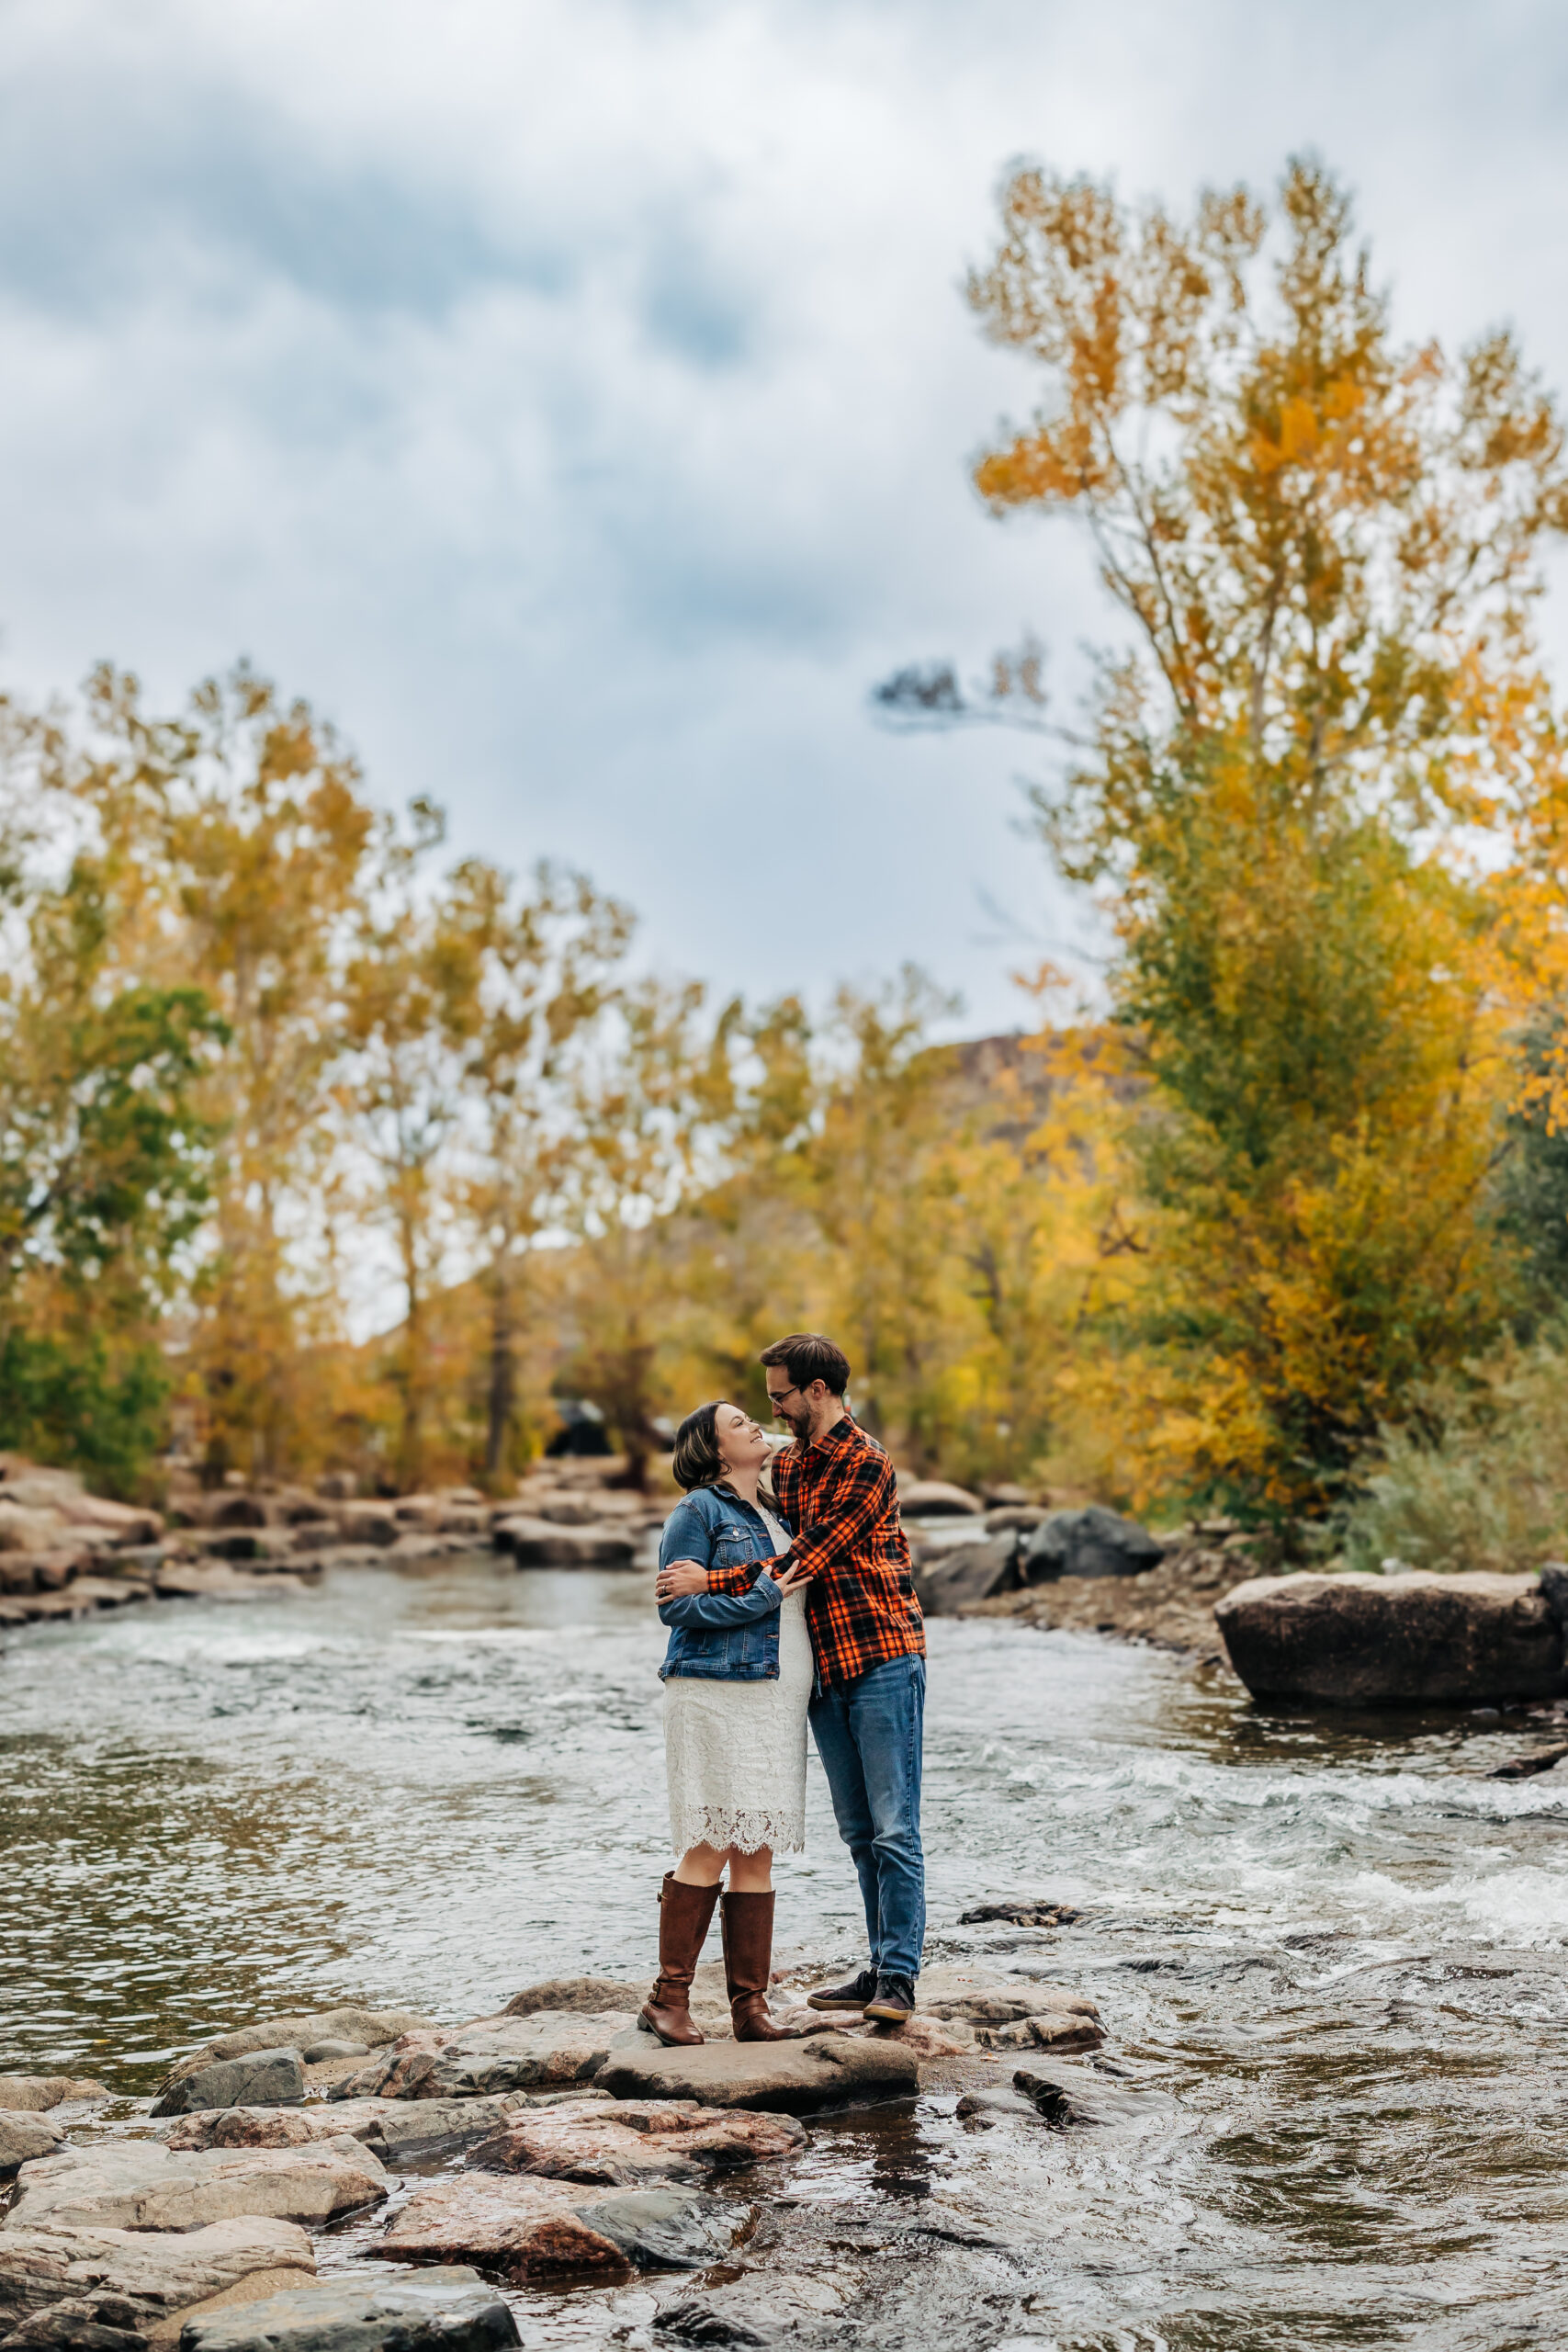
697, 1461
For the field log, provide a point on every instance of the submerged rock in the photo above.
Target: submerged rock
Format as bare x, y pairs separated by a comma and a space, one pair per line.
151, 2279
779, 2077
24, 2137
451, 2309
1077, 2095
143, 2185
670, 2229
265, 2078
1021, 1911
1410, 1639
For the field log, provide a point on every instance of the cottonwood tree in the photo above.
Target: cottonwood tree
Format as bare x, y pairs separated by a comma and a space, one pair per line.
1328, 546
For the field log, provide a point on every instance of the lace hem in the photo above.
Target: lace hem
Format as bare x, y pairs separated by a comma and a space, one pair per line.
746, 1828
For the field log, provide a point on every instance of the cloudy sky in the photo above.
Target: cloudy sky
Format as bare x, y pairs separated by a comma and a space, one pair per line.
572, 397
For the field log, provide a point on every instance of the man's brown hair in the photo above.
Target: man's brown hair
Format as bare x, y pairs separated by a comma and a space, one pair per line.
807, 1356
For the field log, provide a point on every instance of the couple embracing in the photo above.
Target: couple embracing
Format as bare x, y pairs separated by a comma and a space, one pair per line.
789, 1598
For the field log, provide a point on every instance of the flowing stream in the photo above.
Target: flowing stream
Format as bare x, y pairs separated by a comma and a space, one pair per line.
1328, 1951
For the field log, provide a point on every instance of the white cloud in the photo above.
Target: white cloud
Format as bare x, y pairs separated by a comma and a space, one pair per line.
573, 399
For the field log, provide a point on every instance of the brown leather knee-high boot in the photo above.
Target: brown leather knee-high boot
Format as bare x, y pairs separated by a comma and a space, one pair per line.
746, 1923
685, 1913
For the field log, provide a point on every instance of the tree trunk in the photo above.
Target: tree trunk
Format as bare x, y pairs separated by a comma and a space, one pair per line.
502, 1371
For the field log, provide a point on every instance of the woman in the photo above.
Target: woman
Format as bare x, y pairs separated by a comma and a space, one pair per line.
736, 1679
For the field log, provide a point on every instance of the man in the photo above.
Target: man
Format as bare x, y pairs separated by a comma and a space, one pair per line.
835, 1487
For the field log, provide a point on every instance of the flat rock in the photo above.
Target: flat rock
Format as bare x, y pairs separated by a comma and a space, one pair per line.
547, 2049
144, 2185
161, 2277
519, 2227
1412, 1639
24, 2137
589, 1995
1090, 1542
264, 2078
523, 2227
629, 2143
351, 2022
670, 2229
450, 2309
757, 2309
36, 2094
779, 2077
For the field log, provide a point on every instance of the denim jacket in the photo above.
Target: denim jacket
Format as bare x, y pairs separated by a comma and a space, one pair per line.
732, 1638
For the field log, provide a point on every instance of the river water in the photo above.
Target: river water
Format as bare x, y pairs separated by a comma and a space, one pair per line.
1332, 1945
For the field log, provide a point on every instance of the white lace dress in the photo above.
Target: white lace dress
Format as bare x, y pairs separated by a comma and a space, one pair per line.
735, 1752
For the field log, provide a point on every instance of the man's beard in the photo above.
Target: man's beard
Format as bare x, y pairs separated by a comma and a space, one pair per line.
799, 1425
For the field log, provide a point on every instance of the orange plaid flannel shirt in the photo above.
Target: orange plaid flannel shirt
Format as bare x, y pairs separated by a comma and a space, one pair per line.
839, 1495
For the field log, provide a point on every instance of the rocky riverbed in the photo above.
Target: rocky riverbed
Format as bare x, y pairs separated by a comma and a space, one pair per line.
1324, 1953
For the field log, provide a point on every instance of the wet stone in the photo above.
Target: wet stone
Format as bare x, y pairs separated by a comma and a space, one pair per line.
521, 2229
666, 2229
262, 2078
451, 2309
982, 2108
524, 2227
1076, 2095
628, 2143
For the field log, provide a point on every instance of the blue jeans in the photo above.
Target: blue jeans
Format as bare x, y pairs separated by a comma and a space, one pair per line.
868, 1735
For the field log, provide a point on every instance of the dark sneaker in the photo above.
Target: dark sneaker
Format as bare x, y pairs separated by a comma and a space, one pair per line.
894, 2000
853, 1996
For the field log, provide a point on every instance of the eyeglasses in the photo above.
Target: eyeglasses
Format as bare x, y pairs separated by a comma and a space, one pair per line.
777, 1395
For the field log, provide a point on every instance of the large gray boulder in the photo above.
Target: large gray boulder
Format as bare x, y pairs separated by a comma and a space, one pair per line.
140, 2185
1412, 1639
780, 2078
969, 1572
1090, 1542
264, 2078
161, 2275
451, 2309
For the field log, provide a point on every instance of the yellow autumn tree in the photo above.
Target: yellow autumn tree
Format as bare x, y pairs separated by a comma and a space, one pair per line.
1320, 801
